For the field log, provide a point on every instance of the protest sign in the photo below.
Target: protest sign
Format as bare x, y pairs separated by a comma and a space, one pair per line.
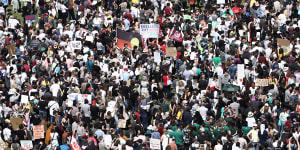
261, 82
38, 131
24, 99
15, 122
76, 44
220, 2
122, 123
171, 52
154, 144
82, 97
26, 144
241, 73
285, 44
30, 18
149, 30
157, 58
107, 139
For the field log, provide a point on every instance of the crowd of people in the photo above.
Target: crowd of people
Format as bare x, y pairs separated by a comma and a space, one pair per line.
233, 85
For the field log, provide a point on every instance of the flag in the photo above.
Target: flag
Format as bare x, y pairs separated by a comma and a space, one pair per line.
175, 35
74, 144
132, 39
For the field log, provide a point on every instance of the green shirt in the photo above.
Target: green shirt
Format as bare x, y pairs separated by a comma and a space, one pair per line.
217, 133
217, 60
197, 126
245, 130
178, 135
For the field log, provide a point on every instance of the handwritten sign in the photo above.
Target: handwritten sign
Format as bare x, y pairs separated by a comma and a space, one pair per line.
30, 18
154, 144
26, 144
171, 52
24, 99
38, 132
261, 82
122, 123
149, 30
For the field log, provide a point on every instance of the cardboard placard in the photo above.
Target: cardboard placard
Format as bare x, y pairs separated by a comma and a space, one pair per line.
26, 144
11, 49
122, 123
154, 144
38, 132
283, 43
15, 122
171, 52
261, 82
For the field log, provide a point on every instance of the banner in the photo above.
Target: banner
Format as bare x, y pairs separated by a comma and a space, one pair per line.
154, 144
149, 30
74, 144
30, 18
175, 35
171, 52
261, 82
26, 144
122, 123
130, 38
38, 132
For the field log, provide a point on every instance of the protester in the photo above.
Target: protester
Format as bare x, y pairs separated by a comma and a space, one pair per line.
154, 74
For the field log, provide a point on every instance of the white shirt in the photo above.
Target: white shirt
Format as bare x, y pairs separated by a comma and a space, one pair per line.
54, 89
203, 112
250, 121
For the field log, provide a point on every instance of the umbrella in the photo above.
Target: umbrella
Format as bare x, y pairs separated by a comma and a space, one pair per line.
230, 88
236, 9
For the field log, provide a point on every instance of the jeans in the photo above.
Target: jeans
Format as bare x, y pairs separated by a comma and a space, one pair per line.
256, 145
42, 114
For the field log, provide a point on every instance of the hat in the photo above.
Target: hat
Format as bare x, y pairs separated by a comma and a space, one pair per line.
202, 129
13, 72
250, 114
79, 57
266, 104
125, 69
270, 94
254, 125
135, 139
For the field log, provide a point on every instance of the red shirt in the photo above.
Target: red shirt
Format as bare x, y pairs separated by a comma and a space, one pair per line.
168, 11
166, 78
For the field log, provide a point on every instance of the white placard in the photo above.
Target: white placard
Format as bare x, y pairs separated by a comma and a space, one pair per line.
241, 73
82, 97
76, 44
149, 30
154, 144
220, 2
157, 58
24, 99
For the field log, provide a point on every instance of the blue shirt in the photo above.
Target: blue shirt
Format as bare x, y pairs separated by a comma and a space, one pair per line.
64, 147
126, 76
